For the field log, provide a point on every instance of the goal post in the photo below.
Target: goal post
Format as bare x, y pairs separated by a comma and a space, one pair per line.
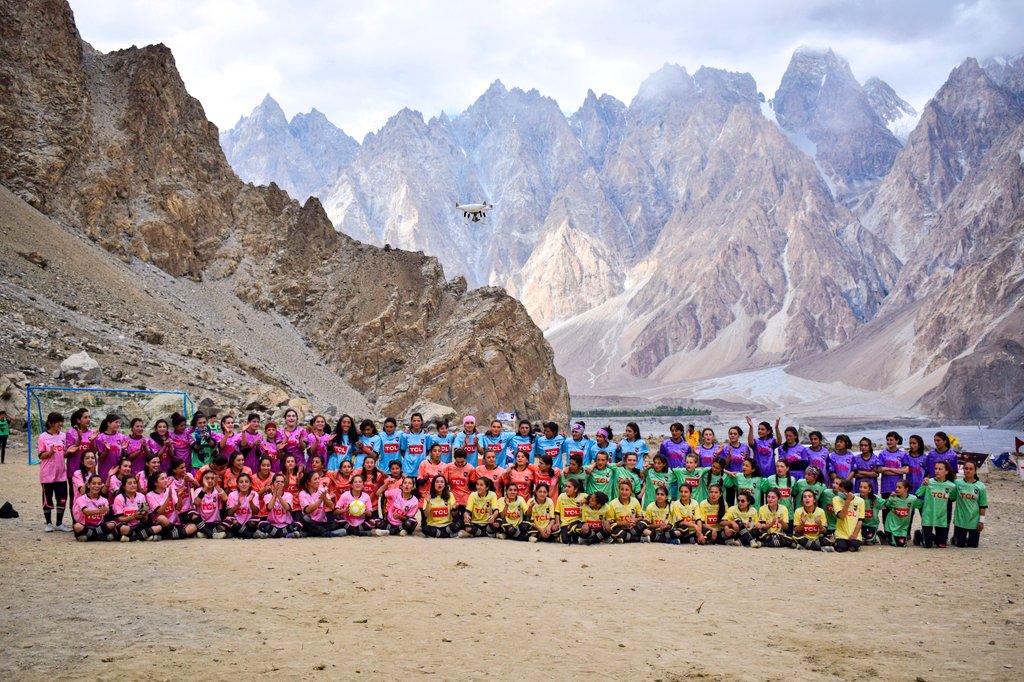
148, 405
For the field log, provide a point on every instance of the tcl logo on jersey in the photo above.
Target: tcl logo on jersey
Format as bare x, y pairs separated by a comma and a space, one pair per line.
494, 447
340, 449
524, 447
810, 528
901, 512
390, 448
571, 512
415, 449
439, 512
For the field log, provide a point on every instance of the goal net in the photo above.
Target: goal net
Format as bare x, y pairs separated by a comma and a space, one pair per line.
147, 405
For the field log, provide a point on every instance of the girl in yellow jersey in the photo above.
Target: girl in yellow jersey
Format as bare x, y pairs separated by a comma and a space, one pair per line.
512, 512
629, 515
438, 510
685, 515
659, 519
597, 520
569, 511
741, 521
541, 510
481, 510
712, 515
810, 524
773, 521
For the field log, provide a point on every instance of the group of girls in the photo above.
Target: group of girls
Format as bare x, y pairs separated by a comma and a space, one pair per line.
254, 482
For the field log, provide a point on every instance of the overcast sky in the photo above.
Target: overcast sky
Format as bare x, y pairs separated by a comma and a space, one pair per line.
360, 62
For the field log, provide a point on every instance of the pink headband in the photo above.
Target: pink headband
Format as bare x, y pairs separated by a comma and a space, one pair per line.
604, 433
469, 419
577, 429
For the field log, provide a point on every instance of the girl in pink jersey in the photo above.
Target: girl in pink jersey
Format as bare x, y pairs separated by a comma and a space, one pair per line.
152, 466
316, 502
269, 448
318, 439
161, 445
357, 522
292, 439
179, 438
53, 473
183, 484
131, 513
117, 478
207, 501
78, 440
250, 440
80, 478
243, 509
401, 509
137, 447
110, 444
278, 502
90, 512
163, 507
228, 442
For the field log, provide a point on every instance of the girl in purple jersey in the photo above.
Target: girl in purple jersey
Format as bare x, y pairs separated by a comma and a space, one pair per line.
840, 462
675, 449
734, 451
917, 461
865, 465
763, 446
817, 453
943, 452
792, 452
892, 464
708, 448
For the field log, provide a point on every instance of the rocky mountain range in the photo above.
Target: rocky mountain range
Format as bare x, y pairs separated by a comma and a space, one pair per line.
703, 229
131, 219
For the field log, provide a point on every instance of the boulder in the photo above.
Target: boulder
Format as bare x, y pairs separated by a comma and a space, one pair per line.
264, 398
81, 367
433, 411
150, 334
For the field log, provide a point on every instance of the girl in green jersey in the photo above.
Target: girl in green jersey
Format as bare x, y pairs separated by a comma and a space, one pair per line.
971, 504
900, 505
656, 474
935, 494
872, 512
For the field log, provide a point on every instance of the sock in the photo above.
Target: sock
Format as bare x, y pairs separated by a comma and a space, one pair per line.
49, 516
60, 515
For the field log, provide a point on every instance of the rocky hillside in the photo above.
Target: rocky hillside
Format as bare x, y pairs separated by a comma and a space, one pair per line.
112, 148
700, 230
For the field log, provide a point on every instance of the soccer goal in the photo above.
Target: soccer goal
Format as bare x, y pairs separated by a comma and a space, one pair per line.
128, 403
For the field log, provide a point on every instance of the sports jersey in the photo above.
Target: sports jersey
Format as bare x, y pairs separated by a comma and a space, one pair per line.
840, 465
748, 484
970, 498
652, 480
603, 480
569, 509
892, 459
734, 456
517, 444
764, 455
414, 451
496, 475
747, 518
439, 511
481, 508
470, 442
552, 447
496, 444
901, 513
626, 446
675, 452
861, 464
934, 499
658, 516
766, 515
626, 510
845, 524
542, 513
513, 511
785, 486
584, 447
872, 511
818, 459
814, 523
460, 479
685, 513
523, 478
795, 454
709, 514
801, 486
389, 448
443, 442
594, 518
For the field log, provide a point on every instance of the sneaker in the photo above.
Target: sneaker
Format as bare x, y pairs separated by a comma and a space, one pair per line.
828, 548
645, 538
533, 538
64, 529
501, 536
620, 541
464, 534
403, 533
675, 541
291, 536
217, 536
609, 541
125, 538
259, 535
732, 543
755, 544
340, 533
942, 546
155, 538
799, 546
48, 528
82, 538
381, 533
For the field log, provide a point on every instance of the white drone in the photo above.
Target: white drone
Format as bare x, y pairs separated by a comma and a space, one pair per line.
475, 212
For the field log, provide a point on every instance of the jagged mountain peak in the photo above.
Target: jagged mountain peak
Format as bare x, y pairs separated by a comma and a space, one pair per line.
671, 81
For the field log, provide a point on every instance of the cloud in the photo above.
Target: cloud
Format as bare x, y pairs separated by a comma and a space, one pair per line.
359, 63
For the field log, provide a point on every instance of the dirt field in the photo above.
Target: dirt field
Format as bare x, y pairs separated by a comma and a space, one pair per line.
370, 608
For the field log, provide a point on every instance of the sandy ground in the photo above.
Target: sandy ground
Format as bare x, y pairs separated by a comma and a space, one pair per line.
370, 608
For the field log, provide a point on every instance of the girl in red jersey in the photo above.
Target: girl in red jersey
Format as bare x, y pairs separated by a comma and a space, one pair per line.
523, 475
243, 508
90, 512
461, 476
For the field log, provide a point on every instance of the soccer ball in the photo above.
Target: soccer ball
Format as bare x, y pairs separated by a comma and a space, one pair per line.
356, 508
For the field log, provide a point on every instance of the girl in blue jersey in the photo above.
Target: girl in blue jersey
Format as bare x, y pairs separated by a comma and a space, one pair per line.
496, 441
389, 444
578, 444
342, 445
469, 440
369, 442
603, 443
443, 440
549, 444
521, 441
632, 443
413, 445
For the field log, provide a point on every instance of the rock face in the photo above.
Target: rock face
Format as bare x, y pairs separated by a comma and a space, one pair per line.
142, 174
821, 102
897, 113
81, 367
304, 157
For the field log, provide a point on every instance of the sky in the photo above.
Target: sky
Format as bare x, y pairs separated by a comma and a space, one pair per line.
361, 62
